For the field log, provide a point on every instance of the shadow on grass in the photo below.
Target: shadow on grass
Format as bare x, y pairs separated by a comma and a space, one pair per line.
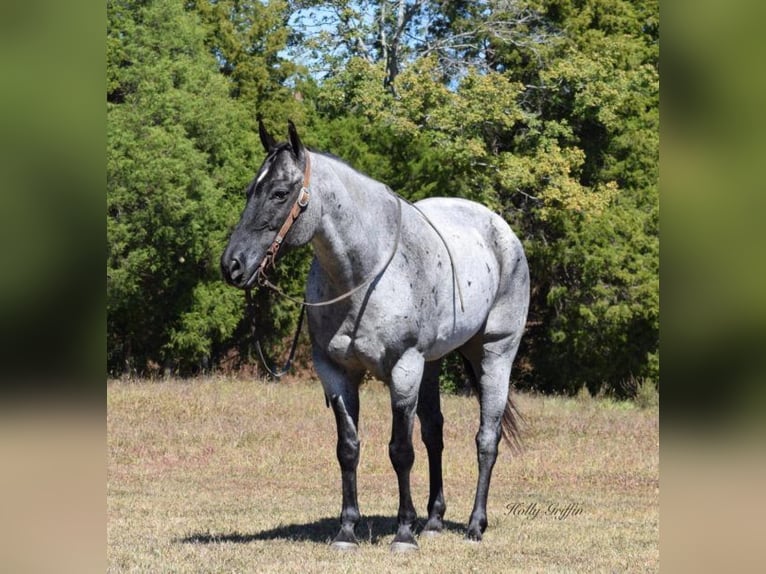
372, 529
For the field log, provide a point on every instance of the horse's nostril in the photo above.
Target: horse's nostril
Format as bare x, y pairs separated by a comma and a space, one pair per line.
235, 270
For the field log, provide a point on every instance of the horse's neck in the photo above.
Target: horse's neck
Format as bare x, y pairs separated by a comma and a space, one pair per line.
358, 225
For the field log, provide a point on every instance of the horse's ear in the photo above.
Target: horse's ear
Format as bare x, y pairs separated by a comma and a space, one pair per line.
269, 143
295, 141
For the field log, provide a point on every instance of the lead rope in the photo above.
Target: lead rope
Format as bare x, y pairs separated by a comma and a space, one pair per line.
293, 346
303, 304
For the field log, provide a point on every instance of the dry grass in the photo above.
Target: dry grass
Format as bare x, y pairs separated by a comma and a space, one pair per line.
222, 475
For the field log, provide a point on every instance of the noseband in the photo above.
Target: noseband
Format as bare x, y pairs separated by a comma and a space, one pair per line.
298, 207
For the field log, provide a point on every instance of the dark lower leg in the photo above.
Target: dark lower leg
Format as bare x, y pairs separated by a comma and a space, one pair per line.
402, 457
487, 441
436, 505
431, 423
348, 458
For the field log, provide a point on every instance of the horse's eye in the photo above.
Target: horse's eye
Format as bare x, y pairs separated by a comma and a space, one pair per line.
279, 194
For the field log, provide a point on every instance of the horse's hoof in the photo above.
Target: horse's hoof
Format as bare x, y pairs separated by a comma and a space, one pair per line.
470, 540
473, 536
432, 531
403, 547
343, 546
432, 528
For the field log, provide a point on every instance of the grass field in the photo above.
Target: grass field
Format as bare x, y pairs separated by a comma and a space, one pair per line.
222, 475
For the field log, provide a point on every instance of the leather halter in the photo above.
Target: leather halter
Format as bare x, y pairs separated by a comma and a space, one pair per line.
298, 207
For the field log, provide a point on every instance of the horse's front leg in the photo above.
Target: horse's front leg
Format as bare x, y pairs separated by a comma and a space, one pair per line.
348, 457
342, 389
405, 382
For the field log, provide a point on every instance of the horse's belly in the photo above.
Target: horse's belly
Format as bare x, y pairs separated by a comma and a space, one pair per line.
458, 324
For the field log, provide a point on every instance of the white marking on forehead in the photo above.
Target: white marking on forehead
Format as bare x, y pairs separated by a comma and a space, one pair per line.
263, 174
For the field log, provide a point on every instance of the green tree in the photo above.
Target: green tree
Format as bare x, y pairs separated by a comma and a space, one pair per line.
180, 151
459, 34
597, 301
544, 110
248, 39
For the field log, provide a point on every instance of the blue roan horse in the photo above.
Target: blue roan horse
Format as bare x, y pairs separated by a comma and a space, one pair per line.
447, 274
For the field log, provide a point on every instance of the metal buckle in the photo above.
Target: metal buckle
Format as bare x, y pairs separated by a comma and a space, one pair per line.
303, 198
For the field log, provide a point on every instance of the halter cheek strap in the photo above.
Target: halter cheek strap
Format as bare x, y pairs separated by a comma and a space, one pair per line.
298, 207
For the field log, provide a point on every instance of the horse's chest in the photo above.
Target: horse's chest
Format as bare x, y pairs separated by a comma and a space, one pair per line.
358, 350
373, 335
367, 346
340, 348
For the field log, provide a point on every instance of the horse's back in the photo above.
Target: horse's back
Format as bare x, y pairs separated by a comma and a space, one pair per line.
460, 220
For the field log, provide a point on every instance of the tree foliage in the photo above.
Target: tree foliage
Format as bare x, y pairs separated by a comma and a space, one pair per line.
247, 38
179, 151
546, 111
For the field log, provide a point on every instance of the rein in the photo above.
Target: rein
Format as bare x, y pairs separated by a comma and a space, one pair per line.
269, 261
293, 347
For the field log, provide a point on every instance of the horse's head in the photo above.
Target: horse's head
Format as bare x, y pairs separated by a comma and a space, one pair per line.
273, 197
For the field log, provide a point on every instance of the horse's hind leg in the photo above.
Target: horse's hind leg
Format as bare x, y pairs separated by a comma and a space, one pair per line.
493, 371
431, 423
405, 382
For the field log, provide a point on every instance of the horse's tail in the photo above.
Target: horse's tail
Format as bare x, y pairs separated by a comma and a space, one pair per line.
510, 424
